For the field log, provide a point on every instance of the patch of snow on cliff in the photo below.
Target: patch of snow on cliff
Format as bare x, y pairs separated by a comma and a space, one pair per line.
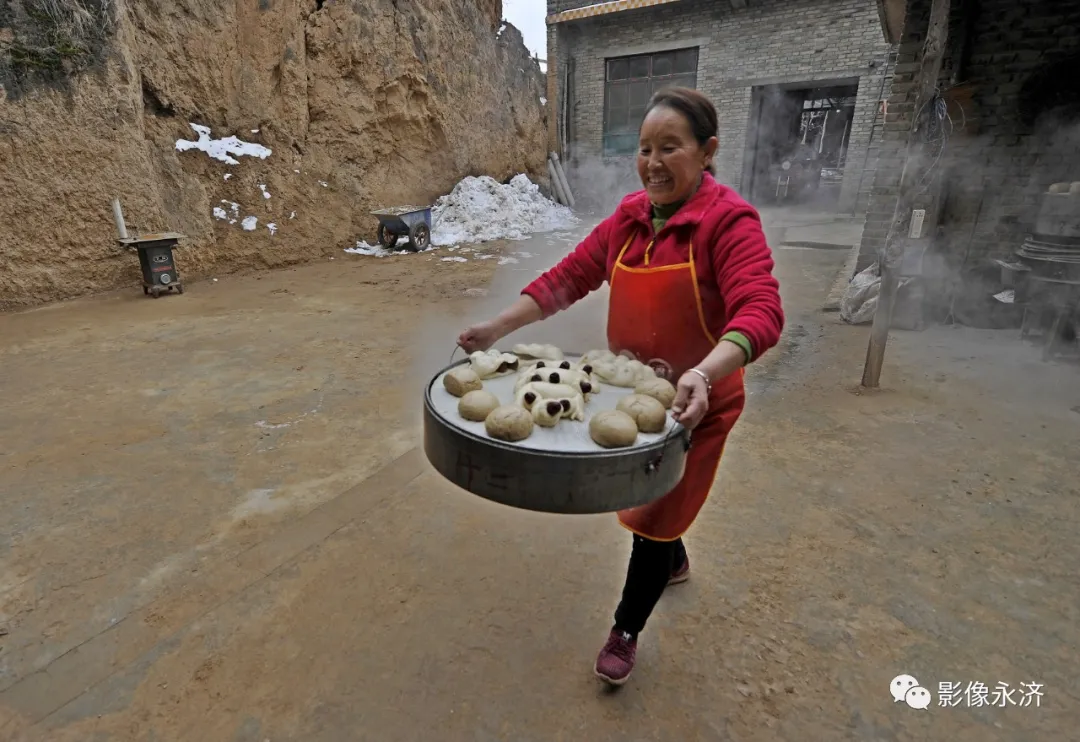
480, 209
222, 149
249, 223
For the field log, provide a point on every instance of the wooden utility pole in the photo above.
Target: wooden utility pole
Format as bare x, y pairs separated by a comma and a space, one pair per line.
892, 256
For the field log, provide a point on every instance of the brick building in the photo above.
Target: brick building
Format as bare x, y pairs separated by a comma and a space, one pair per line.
1010, 91
794, 80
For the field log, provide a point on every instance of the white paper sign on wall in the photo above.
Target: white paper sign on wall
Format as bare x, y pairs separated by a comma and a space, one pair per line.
918, 216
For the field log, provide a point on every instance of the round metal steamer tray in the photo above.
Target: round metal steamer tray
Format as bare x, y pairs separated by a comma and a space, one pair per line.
554, 470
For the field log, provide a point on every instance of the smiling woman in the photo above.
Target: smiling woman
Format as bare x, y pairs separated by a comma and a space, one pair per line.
693, 295
676, 145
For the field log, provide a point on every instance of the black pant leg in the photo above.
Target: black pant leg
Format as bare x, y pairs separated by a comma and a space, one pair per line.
647, 575
680, 554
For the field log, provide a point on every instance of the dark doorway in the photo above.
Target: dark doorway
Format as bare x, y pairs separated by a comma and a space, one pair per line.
797, 144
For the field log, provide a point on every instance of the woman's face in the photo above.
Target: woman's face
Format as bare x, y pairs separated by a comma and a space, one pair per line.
670, 160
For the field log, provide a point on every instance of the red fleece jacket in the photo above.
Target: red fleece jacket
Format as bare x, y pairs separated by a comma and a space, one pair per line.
734, 263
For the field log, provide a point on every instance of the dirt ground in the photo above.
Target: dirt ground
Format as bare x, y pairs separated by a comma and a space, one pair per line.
219, 526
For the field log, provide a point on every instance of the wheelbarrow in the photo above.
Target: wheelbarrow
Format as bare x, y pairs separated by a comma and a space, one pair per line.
411, 222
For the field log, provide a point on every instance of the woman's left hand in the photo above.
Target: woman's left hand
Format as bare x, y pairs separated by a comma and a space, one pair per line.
691, 400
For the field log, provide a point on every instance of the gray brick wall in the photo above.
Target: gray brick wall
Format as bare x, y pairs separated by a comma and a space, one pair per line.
990, 177
769, 42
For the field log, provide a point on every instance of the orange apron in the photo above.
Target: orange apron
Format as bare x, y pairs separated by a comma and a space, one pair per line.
655, 315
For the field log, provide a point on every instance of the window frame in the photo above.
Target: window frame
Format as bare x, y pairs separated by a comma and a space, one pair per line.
683, 68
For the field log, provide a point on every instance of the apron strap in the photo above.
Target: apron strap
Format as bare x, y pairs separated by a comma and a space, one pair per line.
618, 260
697, 297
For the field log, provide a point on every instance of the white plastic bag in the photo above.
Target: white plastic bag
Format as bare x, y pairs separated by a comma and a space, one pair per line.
860, 299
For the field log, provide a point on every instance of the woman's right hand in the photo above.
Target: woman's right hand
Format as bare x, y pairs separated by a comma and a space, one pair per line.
522, 312
478, 337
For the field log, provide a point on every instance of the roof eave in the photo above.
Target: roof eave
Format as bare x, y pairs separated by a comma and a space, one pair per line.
892, 14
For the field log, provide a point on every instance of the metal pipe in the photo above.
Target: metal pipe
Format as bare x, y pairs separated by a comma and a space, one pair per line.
118, 216
556, 186
562, 180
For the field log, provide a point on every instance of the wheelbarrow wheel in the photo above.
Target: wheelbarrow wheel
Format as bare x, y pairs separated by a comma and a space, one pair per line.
419, 237
387, 238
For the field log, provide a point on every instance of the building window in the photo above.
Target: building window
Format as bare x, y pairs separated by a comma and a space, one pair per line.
629, 83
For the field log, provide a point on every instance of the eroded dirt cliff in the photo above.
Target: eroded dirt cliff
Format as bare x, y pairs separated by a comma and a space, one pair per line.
364, 104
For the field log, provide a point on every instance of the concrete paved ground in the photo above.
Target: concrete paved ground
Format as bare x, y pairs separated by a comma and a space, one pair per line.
219, 527
803, 229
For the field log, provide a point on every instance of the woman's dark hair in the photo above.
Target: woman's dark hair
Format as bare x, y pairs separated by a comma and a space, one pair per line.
698, 111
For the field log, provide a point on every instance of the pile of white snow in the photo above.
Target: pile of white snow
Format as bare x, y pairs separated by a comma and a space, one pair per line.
482, 209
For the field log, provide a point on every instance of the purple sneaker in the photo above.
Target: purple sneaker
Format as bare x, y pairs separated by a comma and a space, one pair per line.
616, 659
681, 573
